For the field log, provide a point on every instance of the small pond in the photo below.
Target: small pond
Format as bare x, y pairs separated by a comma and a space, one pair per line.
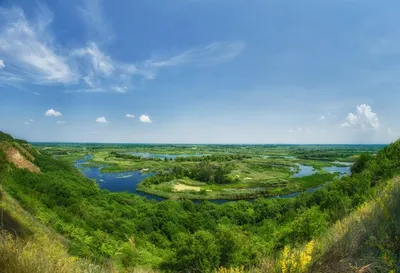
303, 171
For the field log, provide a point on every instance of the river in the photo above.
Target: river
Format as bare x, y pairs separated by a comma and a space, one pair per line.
127, 181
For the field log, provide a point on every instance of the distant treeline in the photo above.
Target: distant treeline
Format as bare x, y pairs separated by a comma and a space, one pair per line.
194, 158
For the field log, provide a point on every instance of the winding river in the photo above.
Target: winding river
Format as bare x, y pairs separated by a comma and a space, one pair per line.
127, 181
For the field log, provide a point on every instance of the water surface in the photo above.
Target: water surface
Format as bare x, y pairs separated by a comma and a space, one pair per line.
342, 170
303, 171
162, 156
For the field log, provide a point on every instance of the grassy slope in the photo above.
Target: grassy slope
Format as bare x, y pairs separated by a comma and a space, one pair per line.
25, 244
367, 240
28, 246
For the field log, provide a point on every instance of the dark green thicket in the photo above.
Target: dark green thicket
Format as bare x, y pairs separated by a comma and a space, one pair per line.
179, 235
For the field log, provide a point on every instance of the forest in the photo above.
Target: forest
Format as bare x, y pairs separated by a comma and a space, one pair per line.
129, 231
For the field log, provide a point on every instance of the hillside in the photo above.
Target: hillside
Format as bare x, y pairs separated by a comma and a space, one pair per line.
26, 245
62, 222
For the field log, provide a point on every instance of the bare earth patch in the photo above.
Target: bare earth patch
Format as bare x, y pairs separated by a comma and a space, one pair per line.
14, 156
181, 187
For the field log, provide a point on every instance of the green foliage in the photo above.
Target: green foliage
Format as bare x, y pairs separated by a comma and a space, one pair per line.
198, 252
361, 163
180, 236
205, 171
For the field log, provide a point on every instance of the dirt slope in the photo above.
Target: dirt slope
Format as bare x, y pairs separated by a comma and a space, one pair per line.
14, 156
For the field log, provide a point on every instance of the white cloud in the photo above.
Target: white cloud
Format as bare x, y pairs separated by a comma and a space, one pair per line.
130, 116
308, 130
145, 118
52, 112
363, 119
29, 50
322, 118
299, 129
60, 122
2, 64
101, 120
290, 131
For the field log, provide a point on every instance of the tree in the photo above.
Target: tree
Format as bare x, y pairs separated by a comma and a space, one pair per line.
198, 252
361, 163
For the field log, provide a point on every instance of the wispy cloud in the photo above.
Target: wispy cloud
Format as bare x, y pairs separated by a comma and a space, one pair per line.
61, 122
130, 116
211, 54
101, 63
92, 14
30, 54
106, 74
28, 50
28, 122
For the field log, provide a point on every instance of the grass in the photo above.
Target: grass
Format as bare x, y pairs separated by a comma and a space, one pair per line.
28, 246
37, 248
367, 240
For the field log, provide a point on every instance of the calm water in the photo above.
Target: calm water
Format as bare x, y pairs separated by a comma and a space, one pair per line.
343, 163
162, 156
127, 181
342, 170
278, 156
304, 171
116, 182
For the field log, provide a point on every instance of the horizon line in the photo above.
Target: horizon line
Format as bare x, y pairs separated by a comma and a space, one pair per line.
177, 143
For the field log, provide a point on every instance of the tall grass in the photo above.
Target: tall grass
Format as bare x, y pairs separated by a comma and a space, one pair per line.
35, 248
368, 240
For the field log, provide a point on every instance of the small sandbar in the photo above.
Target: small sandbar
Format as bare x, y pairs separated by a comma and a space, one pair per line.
181, 187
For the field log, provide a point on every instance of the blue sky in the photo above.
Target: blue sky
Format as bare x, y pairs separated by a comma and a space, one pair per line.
200, 71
